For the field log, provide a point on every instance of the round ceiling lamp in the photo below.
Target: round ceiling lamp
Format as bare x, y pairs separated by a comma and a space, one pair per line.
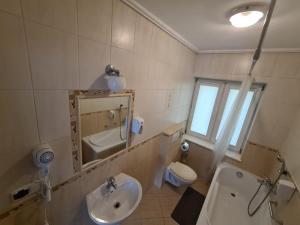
246, 16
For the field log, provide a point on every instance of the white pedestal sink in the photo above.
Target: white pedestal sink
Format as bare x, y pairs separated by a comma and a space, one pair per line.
114, 205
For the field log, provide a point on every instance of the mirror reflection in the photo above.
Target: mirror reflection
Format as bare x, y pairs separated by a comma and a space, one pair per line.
103, 126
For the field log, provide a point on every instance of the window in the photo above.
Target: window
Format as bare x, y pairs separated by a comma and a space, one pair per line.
212, 102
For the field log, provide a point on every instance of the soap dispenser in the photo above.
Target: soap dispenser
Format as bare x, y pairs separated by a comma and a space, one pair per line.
137, 125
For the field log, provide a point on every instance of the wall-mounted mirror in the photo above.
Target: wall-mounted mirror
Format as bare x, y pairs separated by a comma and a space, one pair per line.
100, 125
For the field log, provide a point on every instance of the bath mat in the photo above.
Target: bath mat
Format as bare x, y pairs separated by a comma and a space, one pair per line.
188, 208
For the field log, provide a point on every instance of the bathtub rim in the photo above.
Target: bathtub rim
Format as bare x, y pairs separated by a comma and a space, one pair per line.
223, 165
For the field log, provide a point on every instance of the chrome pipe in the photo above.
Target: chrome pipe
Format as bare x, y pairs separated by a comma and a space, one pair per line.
272, 215
257, 52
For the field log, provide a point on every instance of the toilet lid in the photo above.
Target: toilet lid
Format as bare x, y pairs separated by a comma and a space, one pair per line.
183, 171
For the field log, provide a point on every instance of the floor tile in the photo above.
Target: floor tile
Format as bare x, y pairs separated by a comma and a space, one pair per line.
131, 222
201, 186
158, 221
168, 204
148, 208
170, 221
158, 204
168, 191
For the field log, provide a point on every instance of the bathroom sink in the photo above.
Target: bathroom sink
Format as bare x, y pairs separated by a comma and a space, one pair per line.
112, 205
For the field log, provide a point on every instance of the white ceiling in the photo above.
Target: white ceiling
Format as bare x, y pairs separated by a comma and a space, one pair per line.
204, 24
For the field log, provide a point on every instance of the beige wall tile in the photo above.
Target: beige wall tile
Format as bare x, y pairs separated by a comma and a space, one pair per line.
242, 64
19, 134
94, 19
54, 58
60, 14
123, 60
53, 114
9, 220
257, 160
137, 79
12, 6
224, 64
160, 45
284, 91
265, 65
143, 36
62, 167
268, 134
157, 77
289, 212
286, 65
203, 64
93, 57
174, 56
66, 205
123, 25
290, 149
200, 160
278, 114
14, 65
32, 215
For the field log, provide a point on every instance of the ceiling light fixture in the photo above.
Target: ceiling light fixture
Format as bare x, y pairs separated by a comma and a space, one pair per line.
245, 16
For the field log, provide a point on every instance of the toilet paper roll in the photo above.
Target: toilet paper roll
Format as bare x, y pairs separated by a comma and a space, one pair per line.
184, 146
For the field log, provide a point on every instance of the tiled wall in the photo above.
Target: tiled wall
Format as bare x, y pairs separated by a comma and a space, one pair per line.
68, 205
281, 72
276, 124
256, 159
95, 122
48, 47
291, 152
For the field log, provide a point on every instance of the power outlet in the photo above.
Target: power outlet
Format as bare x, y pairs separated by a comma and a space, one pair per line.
25, 191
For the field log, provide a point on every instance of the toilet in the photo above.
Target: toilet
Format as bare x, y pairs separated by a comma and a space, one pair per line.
179, 174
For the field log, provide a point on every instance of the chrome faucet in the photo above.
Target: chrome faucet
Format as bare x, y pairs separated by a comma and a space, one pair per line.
111, 183
265, 181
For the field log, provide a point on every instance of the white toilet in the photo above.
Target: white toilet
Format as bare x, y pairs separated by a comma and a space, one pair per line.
179, 174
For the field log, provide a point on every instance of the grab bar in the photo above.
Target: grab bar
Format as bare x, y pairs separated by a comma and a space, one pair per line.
271, 203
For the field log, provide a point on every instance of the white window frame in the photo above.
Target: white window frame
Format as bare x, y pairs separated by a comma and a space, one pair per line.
224, 88
214, 113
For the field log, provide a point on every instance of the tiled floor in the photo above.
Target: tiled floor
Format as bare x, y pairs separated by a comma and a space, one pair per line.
158, 204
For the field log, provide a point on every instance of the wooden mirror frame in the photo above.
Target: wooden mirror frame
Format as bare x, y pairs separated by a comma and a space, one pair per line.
74, 95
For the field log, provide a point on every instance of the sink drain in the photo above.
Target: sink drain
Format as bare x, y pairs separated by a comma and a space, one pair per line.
117, 205
232, 194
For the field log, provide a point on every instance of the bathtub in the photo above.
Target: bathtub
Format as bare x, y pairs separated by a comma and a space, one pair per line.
228, 197
105, 140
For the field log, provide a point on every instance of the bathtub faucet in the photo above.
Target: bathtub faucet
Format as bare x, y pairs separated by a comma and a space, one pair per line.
265, 181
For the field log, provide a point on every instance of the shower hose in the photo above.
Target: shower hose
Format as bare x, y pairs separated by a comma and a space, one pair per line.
282, 171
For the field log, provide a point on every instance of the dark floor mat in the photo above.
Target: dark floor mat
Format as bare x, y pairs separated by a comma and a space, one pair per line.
188, 208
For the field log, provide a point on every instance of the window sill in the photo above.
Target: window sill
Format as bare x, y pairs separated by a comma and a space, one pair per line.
210, 146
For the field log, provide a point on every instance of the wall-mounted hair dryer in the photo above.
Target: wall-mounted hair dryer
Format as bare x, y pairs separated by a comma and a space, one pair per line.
43, 155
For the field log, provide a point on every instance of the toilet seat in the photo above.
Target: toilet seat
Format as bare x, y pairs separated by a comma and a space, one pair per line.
183, 172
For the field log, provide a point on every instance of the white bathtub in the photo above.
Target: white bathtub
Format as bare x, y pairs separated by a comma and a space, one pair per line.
228, 197
105, 140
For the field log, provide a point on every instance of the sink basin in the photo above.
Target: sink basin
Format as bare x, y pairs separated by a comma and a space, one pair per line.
114, 205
